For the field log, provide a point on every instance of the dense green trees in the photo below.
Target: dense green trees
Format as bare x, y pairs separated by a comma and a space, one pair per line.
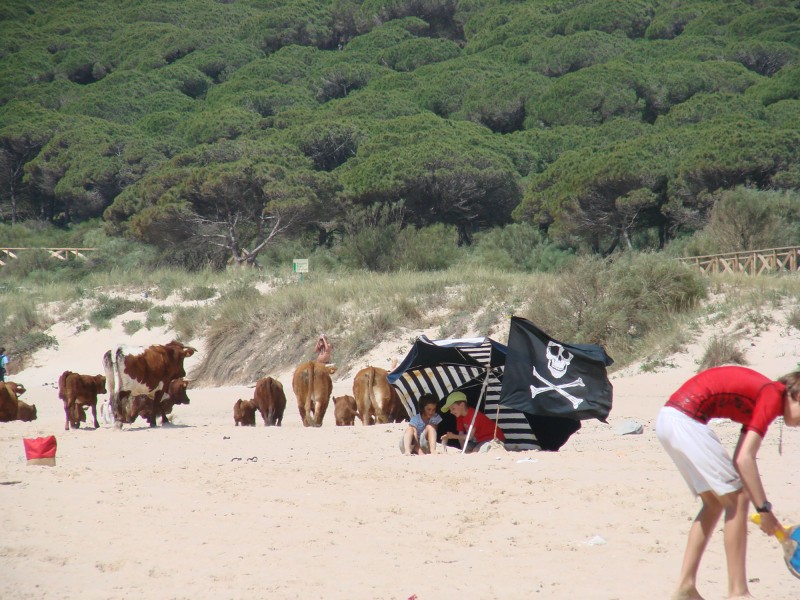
607, 124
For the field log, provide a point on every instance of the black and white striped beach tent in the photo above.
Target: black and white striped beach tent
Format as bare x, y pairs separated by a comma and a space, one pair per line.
442, 366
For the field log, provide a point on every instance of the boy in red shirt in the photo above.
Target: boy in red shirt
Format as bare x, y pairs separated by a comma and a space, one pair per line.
482, 432
755, 401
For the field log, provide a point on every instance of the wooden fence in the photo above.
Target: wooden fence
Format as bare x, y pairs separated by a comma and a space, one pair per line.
752, 262
58, 253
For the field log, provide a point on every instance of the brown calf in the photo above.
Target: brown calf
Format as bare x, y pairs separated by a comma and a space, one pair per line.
345, 410
270, 400
77, 391
244, 413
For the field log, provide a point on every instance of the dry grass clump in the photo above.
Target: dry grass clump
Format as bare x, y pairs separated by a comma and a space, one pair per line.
722, 350
617, 304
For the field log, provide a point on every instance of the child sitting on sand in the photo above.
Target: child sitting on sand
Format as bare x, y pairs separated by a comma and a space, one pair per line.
755, 401
420, 435
483, 431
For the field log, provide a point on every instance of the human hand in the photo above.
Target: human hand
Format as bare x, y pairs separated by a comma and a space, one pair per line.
769, 524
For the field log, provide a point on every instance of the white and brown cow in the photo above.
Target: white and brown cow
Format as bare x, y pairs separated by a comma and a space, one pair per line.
133, 371
270, 400
312, 386
77, 392
376, 398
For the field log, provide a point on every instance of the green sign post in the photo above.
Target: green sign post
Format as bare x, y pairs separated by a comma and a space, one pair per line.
300, 266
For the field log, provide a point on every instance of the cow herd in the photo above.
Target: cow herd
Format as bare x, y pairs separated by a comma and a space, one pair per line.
373, 401
148, 381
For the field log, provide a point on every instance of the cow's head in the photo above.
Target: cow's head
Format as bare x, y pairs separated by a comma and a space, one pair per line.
100, 384
177, 391
185, 351
177, 352
26, 412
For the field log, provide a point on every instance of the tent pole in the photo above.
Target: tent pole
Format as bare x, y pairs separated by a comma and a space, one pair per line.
477, 408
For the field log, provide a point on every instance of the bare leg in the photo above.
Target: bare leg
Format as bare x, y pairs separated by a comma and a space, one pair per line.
409, 437
431, 433
735, 534
699, 535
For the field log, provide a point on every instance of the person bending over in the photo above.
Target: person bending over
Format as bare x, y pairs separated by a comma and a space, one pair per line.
744, 396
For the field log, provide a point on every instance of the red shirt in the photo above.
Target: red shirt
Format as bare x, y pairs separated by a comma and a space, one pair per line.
484, 427
736, 393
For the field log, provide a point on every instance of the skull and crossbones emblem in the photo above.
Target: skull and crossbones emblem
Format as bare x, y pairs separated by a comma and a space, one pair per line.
558, 359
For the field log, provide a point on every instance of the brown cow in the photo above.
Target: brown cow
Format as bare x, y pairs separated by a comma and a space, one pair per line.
77, 391
312, 386
140, 405
25, 411
144, 406
134, 371
244, 413
175, 394
345, 410
9, 402
376, 398
270, 400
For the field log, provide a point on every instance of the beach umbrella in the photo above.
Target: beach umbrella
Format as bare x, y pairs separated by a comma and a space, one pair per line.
473, 366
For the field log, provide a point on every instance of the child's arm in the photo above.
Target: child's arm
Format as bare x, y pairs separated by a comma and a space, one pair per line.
744, 458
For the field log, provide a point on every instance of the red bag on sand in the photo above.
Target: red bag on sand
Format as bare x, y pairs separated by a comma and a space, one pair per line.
41, 451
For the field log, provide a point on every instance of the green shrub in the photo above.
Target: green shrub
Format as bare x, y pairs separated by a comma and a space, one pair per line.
518, 247
31, 341
616, 304
722, 350
430, 248
189, 322
110, 307
748, 219
131, 327
199, 292
793, 318
156, 317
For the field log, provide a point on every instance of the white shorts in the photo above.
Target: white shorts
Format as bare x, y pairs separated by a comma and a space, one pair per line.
699, 455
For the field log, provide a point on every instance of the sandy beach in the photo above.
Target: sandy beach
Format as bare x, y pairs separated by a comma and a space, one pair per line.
204, 510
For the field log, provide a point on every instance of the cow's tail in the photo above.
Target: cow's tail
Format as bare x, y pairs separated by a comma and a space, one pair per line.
312, 368
371, 391
62, 385
107, 412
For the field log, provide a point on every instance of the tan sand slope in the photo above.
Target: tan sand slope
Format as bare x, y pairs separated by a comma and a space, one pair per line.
205, 510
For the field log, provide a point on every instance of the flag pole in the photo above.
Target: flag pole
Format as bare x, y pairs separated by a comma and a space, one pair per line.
477, 408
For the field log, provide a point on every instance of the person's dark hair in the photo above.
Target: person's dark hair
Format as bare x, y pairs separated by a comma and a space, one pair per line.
426, 399
2, 350
792, 383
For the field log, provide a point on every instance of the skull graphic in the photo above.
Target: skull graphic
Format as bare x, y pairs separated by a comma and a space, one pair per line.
558, 359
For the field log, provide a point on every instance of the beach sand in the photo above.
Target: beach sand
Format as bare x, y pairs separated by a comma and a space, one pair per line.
204, 510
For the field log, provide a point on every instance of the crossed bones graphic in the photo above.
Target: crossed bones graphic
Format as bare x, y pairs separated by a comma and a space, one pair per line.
552, 387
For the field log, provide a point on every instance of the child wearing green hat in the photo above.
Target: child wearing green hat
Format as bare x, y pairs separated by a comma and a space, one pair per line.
483, 431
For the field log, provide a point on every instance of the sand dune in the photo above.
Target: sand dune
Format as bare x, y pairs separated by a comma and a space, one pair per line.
202, 509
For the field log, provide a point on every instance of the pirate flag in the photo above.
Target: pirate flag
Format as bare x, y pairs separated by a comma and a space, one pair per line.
549, 378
